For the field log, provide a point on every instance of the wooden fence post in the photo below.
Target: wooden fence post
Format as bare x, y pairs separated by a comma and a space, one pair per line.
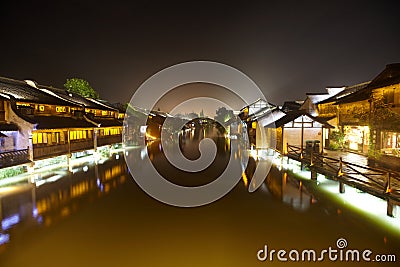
287, 152
390, 207
340, 171
341, 187
387, 187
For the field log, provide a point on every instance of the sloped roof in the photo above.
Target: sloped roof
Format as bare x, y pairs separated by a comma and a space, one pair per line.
58, 122
292, 115
22, 91
8, 127
349, 90
82, 101
389, 76
107, 122
291, 105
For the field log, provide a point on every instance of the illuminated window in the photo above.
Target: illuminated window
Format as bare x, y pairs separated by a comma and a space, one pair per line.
34, 138
39, 138
44, 138
49, 138
84, 134
62, 138
61, 109
72, 135
41, 108
391, 143
388, 96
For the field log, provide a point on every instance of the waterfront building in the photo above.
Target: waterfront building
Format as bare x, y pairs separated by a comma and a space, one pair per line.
260, 113
39, 122
339, 110
377, 106
301, 129
368, 117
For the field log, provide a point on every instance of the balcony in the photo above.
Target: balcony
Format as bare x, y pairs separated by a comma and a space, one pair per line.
81, 145
41, 152
109, 140
14, 157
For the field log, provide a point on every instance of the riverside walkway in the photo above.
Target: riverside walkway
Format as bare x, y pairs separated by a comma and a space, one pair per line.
352, 170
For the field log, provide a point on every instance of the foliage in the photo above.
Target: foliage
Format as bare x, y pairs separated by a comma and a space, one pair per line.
334, 146
10, 172
80, 87
336, 140
373, 153
223, 114
383, 115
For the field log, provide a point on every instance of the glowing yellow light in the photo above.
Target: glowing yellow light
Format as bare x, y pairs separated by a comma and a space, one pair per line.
245, 180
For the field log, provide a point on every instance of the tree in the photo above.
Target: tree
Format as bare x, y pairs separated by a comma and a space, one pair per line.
223, 114
80, 87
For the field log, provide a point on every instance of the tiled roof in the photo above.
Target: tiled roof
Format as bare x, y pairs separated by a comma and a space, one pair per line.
58, 122
107, 122
346, 93
291, 105
8, 127
87, 103
389, 76
291, 116
20, 90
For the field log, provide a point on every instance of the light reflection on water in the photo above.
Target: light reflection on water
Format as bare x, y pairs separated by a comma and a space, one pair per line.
100, 217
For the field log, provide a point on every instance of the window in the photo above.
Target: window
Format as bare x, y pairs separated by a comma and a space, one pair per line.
388, 96
49, 138
34, 138
391, 143
61, 109
62, 138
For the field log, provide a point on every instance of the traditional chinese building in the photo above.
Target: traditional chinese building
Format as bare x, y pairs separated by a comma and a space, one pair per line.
377, 106
39, 122
339, 110
368, 116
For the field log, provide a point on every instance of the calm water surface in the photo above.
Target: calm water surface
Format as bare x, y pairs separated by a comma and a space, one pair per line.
98, 216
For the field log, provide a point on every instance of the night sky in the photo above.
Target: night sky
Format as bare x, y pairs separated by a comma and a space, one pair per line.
287, 47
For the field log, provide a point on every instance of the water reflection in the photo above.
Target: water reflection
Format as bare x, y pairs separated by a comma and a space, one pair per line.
282, 186
98, 216
59, 195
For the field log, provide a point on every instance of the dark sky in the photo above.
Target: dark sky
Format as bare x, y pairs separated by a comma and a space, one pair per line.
287, 47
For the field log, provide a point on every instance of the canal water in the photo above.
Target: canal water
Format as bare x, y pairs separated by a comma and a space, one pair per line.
97, 215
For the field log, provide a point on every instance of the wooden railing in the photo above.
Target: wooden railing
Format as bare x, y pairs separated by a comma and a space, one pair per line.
109, 140
81, 145
14, 157
381, 182
47, 151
